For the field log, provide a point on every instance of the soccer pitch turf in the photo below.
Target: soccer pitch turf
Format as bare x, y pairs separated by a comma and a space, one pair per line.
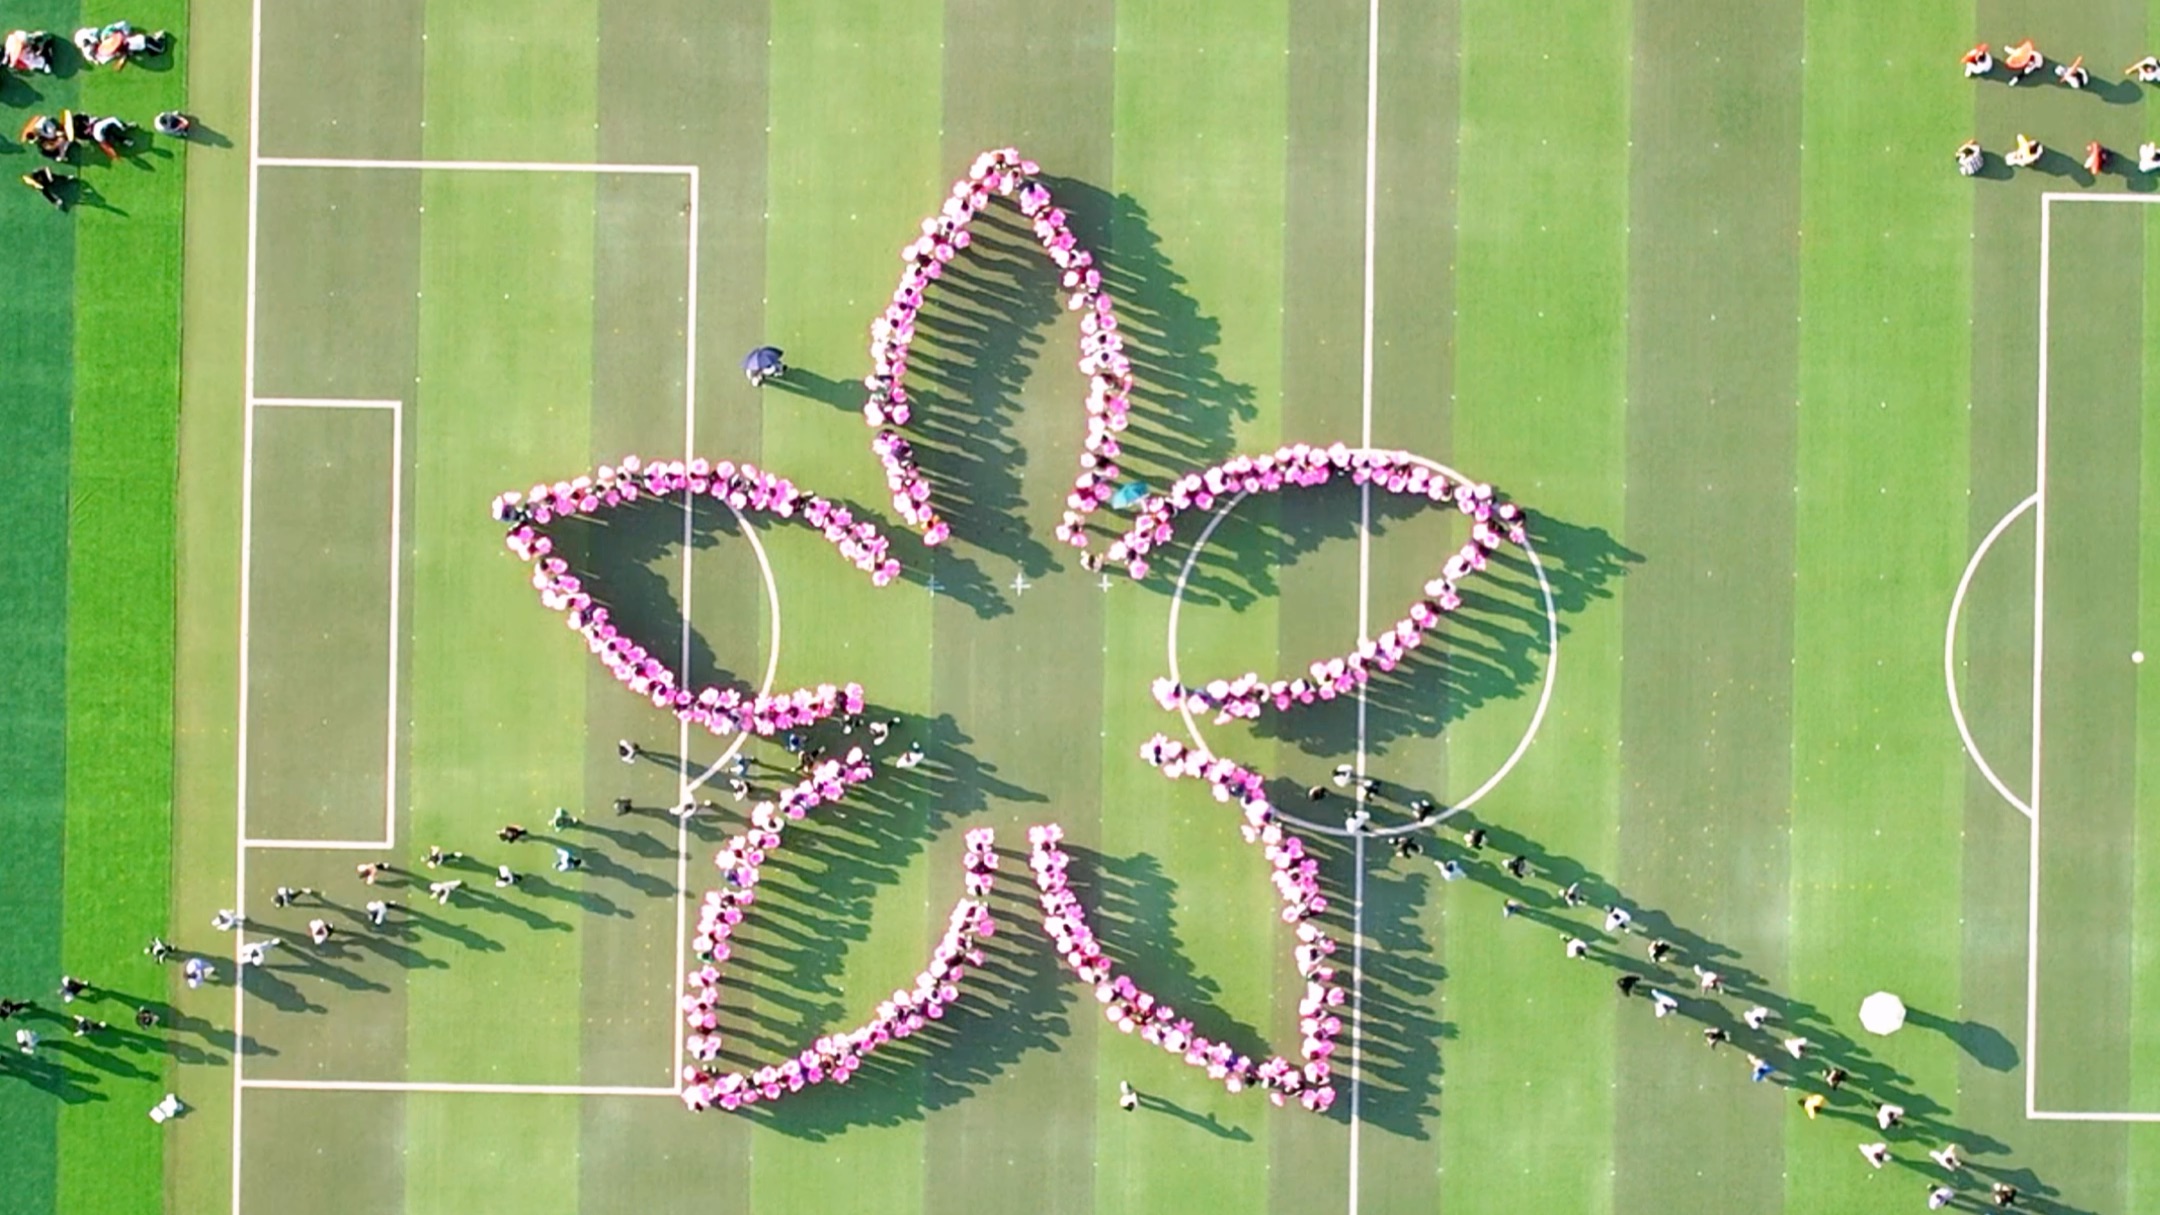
1837, 471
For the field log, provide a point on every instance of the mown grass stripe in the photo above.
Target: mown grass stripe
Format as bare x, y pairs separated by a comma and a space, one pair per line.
1539, 405
1404, 1053
1200, 119
484, 659
1706, 707
1013, 1106
1885, 372
36, 340
852, 164
120, 614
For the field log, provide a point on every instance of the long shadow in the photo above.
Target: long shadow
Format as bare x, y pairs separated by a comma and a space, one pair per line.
618, 555
1401, 1063
844, 395
532, 917
637, 843
1493, 648
981, 328
1985, 1043
265, 984
51, 1076
1211, 1124
1185, 410
816, 898
452, 931
1132, 906
1870, 1080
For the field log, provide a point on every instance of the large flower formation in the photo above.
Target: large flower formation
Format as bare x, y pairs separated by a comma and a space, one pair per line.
832, 1057
747, 490
1302, 466
1306, 1080
1000, 173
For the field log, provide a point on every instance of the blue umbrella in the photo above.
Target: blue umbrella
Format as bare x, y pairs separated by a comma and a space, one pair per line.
765, 360
1128, 495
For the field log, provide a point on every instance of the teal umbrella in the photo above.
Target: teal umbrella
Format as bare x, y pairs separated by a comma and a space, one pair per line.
1128, 495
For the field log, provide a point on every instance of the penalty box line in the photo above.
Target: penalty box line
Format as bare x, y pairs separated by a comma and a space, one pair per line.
2033, 1112
422, 1086
257, 162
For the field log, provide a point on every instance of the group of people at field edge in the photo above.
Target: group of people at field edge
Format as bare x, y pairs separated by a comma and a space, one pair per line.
2023, 61
32, 52
1754, 1032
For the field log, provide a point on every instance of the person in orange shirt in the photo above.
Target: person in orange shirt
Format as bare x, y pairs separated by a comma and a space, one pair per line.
1978, 62
2022, 60
2095, 157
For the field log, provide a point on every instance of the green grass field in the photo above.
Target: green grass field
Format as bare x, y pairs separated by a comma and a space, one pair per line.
1806, 421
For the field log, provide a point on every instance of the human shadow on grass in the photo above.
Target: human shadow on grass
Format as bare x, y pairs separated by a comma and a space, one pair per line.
1212, 1124
816, 896
1985, 1043
2114, 92
1184, 408
817, 892
20, 91
844, 395
55, 1077
1401, 1064
267, 985
980, 329
637, 843
172, 1020
616, 555
1132, 906
1494, 647
451, 930
320, 962
2057, 163
518, 904
1869, 1080
206, 135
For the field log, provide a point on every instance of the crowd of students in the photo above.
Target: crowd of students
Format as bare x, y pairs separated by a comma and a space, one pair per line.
999, 173
747, 490
2023, 61
1303, 466
832, 1057
33, 52
1296, 877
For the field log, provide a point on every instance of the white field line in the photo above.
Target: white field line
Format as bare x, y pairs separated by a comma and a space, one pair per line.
322, 403
2091, 1115
256, 162
2040, 597
682, 748
1364, 593
1950, 674
247, 523
772, 648
2032, 799
2063, 197
396, 410
474, 166
402, 1086
397, 582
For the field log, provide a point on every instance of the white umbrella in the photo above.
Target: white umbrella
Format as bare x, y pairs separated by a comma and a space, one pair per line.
1882, 1013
